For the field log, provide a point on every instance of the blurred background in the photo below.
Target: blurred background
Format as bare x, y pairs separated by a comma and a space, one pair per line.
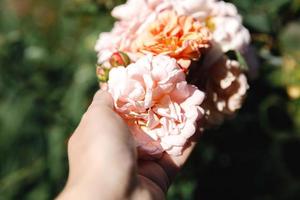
47, 79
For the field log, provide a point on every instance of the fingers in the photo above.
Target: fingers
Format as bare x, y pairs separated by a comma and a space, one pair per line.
179, 161
172, 164
162, 172
155, 173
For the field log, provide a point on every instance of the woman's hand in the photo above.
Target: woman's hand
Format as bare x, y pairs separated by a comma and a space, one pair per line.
104, 164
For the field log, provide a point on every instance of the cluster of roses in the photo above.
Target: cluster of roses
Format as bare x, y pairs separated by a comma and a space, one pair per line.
166, 65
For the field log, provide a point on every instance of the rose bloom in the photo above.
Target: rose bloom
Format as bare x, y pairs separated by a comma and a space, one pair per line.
119, 39
226, 87
160, 108
135, 16
133, 8
223, 19
198, 9
228, 30
180, 37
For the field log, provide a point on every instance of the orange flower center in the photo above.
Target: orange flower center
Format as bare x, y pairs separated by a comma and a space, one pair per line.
180, 37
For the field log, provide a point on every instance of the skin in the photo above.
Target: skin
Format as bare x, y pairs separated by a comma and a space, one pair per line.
104, 164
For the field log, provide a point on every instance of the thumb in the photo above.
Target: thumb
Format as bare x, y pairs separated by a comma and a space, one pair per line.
100, 108
102, 99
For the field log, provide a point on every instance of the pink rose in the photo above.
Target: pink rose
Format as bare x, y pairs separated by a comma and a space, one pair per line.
199, 9
229, 31
159, 106
136, 8
226, 87
119, 39
226, 23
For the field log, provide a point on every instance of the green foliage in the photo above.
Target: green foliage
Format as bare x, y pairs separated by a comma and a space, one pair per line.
47, 79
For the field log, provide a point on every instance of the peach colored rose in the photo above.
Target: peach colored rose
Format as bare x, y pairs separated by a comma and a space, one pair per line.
159, 106
134, 17
180, 37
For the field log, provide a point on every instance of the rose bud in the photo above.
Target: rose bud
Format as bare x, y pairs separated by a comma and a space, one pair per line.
102, 74
119, 59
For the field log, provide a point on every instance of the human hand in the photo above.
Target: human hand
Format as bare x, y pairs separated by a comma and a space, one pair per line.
104, 164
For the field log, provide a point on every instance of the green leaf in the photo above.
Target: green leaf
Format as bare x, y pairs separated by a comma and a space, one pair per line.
236, 55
